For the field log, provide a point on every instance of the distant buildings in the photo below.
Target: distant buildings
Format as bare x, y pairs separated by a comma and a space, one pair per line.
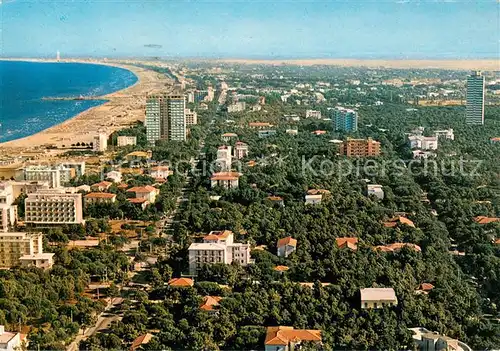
23, 249
345, 120
218, 247
313, 114
228, 136
124, 140
286, 246
313, 199
148, 193
423, 143
289, 339
100, 143
446, 133
426, 340
266, 133
350, 243
165, 117
378, 298
55, 176
161, 172
360, 148
99, 198
475, 99
53, 207
260, 125
224, 158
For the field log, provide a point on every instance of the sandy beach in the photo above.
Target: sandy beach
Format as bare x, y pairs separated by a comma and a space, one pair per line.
123, 108
456, 64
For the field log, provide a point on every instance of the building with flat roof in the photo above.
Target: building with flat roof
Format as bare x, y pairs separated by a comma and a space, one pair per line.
218, 247
191, 117
425, 340
125, 140
100, 143
474, 111
8, 211
313, 114
25, 249
55, 176
360, 148
345, 120
240, 150
165, 117
378, 298
422, 142
53, 207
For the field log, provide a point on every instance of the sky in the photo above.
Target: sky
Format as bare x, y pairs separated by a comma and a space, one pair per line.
251, 29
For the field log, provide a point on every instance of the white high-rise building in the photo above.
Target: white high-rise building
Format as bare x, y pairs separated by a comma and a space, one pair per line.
166, 117
23, 249
218, 247
475, 99
55, 176
8, 211
100, 142
53, 207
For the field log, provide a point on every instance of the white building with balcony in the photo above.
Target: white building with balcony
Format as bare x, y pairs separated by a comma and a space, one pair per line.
53, 207
8, 211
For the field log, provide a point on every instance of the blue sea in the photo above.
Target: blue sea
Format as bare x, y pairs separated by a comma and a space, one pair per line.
23, 85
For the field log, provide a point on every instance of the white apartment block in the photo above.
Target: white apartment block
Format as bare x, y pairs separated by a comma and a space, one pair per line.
240, 150
224, 157
218, 247
23, 249
191, 117
423, 143
125, 140
55, 176
375, 189
53, 207
8, 211
100, 143
313, 114
161, 172
237, 107
446, 133
78, 166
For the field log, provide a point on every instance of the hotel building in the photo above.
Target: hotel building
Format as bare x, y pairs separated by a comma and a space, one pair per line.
166, 117
474, 114
345, 119
218, 247
191, 117
360, 148
100, 143
124, 140
53, 207
23, 249
55, 176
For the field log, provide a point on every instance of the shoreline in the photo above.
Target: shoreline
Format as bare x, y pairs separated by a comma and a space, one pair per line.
121, 109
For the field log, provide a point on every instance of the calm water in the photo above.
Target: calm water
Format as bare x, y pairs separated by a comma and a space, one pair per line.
24, 84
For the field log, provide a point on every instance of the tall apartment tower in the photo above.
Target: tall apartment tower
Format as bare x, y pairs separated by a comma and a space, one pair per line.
345, 119
475, 99
166, 117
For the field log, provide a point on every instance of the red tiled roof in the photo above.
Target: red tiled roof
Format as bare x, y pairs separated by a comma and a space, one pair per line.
141, 340
351, 243
397, 246
319, 132
209, 302
281, 268
275, 198
486, 220
282, 336
181, 282
225, 176
99, 196
216, 235
103, 184
426, 287
400, 219
142, 189
318, 191
259, 124
137, 201
160, 168
287, 241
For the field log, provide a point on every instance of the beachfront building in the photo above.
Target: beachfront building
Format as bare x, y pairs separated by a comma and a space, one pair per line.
218, 247
378, 298
360, 148
125, 140
53, 207
474, 114
23, 249
165, 117
55, 176
8, 211
9, 341
191, 117
240, 150
345, 120
100, 143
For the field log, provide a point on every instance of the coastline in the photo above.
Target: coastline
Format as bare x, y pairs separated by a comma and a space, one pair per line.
122, 108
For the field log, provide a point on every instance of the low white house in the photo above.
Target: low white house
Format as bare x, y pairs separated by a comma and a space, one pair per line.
313, 199
376, 189
378, 298
286, 246
9, 341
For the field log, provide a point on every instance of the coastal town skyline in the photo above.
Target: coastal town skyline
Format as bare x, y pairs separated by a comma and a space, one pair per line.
336, 29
